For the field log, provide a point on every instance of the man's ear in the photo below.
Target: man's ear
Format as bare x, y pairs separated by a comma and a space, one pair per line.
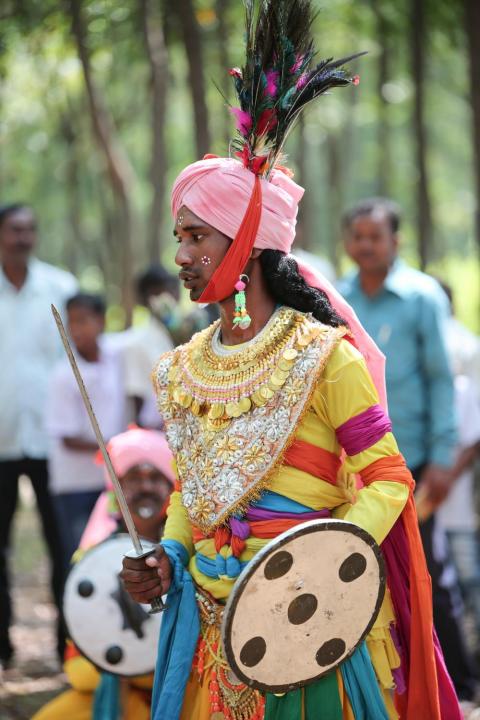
256, 252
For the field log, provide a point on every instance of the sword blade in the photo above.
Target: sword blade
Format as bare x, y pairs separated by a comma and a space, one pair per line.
124, 509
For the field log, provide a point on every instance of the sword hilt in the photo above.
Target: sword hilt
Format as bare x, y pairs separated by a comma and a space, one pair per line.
156, 603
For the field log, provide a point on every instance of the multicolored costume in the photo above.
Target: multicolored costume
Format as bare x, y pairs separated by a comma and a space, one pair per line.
281, 429
274, 463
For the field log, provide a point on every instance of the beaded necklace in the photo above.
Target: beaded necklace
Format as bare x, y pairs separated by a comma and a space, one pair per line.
221, 382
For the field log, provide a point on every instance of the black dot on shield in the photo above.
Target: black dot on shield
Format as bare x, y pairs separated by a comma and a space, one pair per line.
330, 652
114, 654
85, 588
278, 565
253, 651
302, 608
353, 567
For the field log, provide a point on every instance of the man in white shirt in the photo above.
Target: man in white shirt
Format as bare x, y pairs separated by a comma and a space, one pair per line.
28, 349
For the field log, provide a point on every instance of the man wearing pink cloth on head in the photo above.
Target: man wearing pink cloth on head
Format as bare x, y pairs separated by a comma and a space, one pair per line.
143, 463
268, 413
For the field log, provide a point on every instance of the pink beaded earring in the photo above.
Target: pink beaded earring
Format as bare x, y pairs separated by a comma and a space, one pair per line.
241, 318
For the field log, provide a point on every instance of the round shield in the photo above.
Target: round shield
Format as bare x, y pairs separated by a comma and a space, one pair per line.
303, 605
108, 627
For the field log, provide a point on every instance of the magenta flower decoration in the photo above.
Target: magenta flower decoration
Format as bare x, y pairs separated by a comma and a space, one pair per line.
243, 120
272, 82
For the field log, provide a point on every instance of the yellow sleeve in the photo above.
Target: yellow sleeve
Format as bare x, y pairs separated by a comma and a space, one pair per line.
178, 525
346, 390
81, 673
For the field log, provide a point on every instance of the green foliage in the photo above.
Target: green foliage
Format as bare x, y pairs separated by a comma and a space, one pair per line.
49, 156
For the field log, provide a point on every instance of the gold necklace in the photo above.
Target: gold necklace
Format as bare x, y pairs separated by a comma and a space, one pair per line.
221, 383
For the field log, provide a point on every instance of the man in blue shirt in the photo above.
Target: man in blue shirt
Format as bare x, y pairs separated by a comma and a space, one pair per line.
404, 311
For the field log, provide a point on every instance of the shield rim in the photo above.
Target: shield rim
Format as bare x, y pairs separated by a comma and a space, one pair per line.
276, 544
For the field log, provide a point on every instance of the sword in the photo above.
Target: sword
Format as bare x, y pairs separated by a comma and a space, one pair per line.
156, 603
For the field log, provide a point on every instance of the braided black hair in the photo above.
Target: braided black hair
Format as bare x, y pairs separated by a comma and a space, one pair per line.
288, 287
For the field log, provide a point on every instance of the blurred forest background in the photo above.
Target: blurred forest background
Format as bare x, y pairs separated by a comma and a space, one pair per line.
103, 101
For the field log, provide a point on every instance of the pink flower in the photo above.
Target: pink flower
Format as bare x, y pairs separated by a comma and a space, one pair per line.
272, 78
356, 80
243, 120
235, 72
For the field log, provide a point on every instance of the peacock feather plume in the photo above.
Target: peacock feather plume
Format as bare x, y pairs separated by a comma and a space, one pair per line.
280, 77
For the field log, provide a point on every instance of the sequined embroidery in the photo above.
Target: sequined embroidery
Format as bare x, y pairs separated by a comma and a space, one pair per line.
224, 463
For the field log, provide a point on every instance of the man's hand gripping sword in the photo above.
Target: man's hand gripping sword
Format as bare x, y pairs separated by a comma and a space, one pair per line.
138, 552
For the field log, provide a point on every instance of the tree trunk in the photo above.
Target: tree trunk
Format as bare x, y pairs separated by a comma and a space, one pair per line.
193, 48
335, 204
76, 243
304, 237
225, 79
119, 170
472, 20
158, 59
424, 211
384, 150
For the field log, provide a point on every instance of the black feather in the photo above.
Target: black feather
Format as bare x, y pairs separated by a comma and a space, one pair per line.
279, 78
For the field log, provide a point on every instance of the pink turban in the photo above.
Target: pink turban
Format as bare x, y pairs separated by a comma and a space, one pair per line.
218, 190
133, 447
137, 446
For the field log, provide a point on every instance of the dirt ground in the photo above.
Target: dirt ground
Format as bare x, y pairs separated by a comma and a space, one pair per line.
35, 675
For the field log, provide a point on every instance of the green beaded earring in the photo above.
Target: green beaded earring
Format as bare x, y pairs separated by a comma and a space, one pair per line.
241, 318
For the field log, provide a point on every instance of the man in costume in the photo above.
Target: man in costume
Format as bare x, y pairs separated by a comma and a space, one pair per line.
267, 413
143, 463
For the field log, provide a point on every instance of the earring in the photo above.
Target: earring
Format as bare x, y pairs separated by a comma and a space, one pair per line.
180, 220
241, 318
206, 260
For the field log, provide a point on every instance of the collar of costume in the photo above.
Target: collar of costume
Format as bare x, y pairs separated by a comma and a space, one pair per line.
231, 412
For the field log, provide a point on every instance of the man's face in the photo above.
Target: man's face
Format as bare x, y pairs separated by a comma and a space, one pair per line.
18, 235
370, 242
84, 327
146, 491
201, 249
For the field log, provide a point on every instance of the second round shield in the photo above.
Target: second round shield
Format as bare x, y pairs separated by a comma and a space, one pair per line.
108, 627
303, 605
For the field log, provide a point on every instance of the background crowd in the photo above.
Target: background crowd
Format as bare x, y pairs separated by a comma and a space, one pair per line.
102, 102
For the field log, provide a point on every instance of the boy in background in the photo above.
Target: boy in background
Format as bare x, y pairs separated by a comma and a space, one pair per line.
76, 480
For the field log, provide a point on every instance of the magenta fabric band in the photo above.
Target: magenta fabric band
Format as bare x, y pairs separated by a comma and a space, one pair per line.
363, 430
254, 514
